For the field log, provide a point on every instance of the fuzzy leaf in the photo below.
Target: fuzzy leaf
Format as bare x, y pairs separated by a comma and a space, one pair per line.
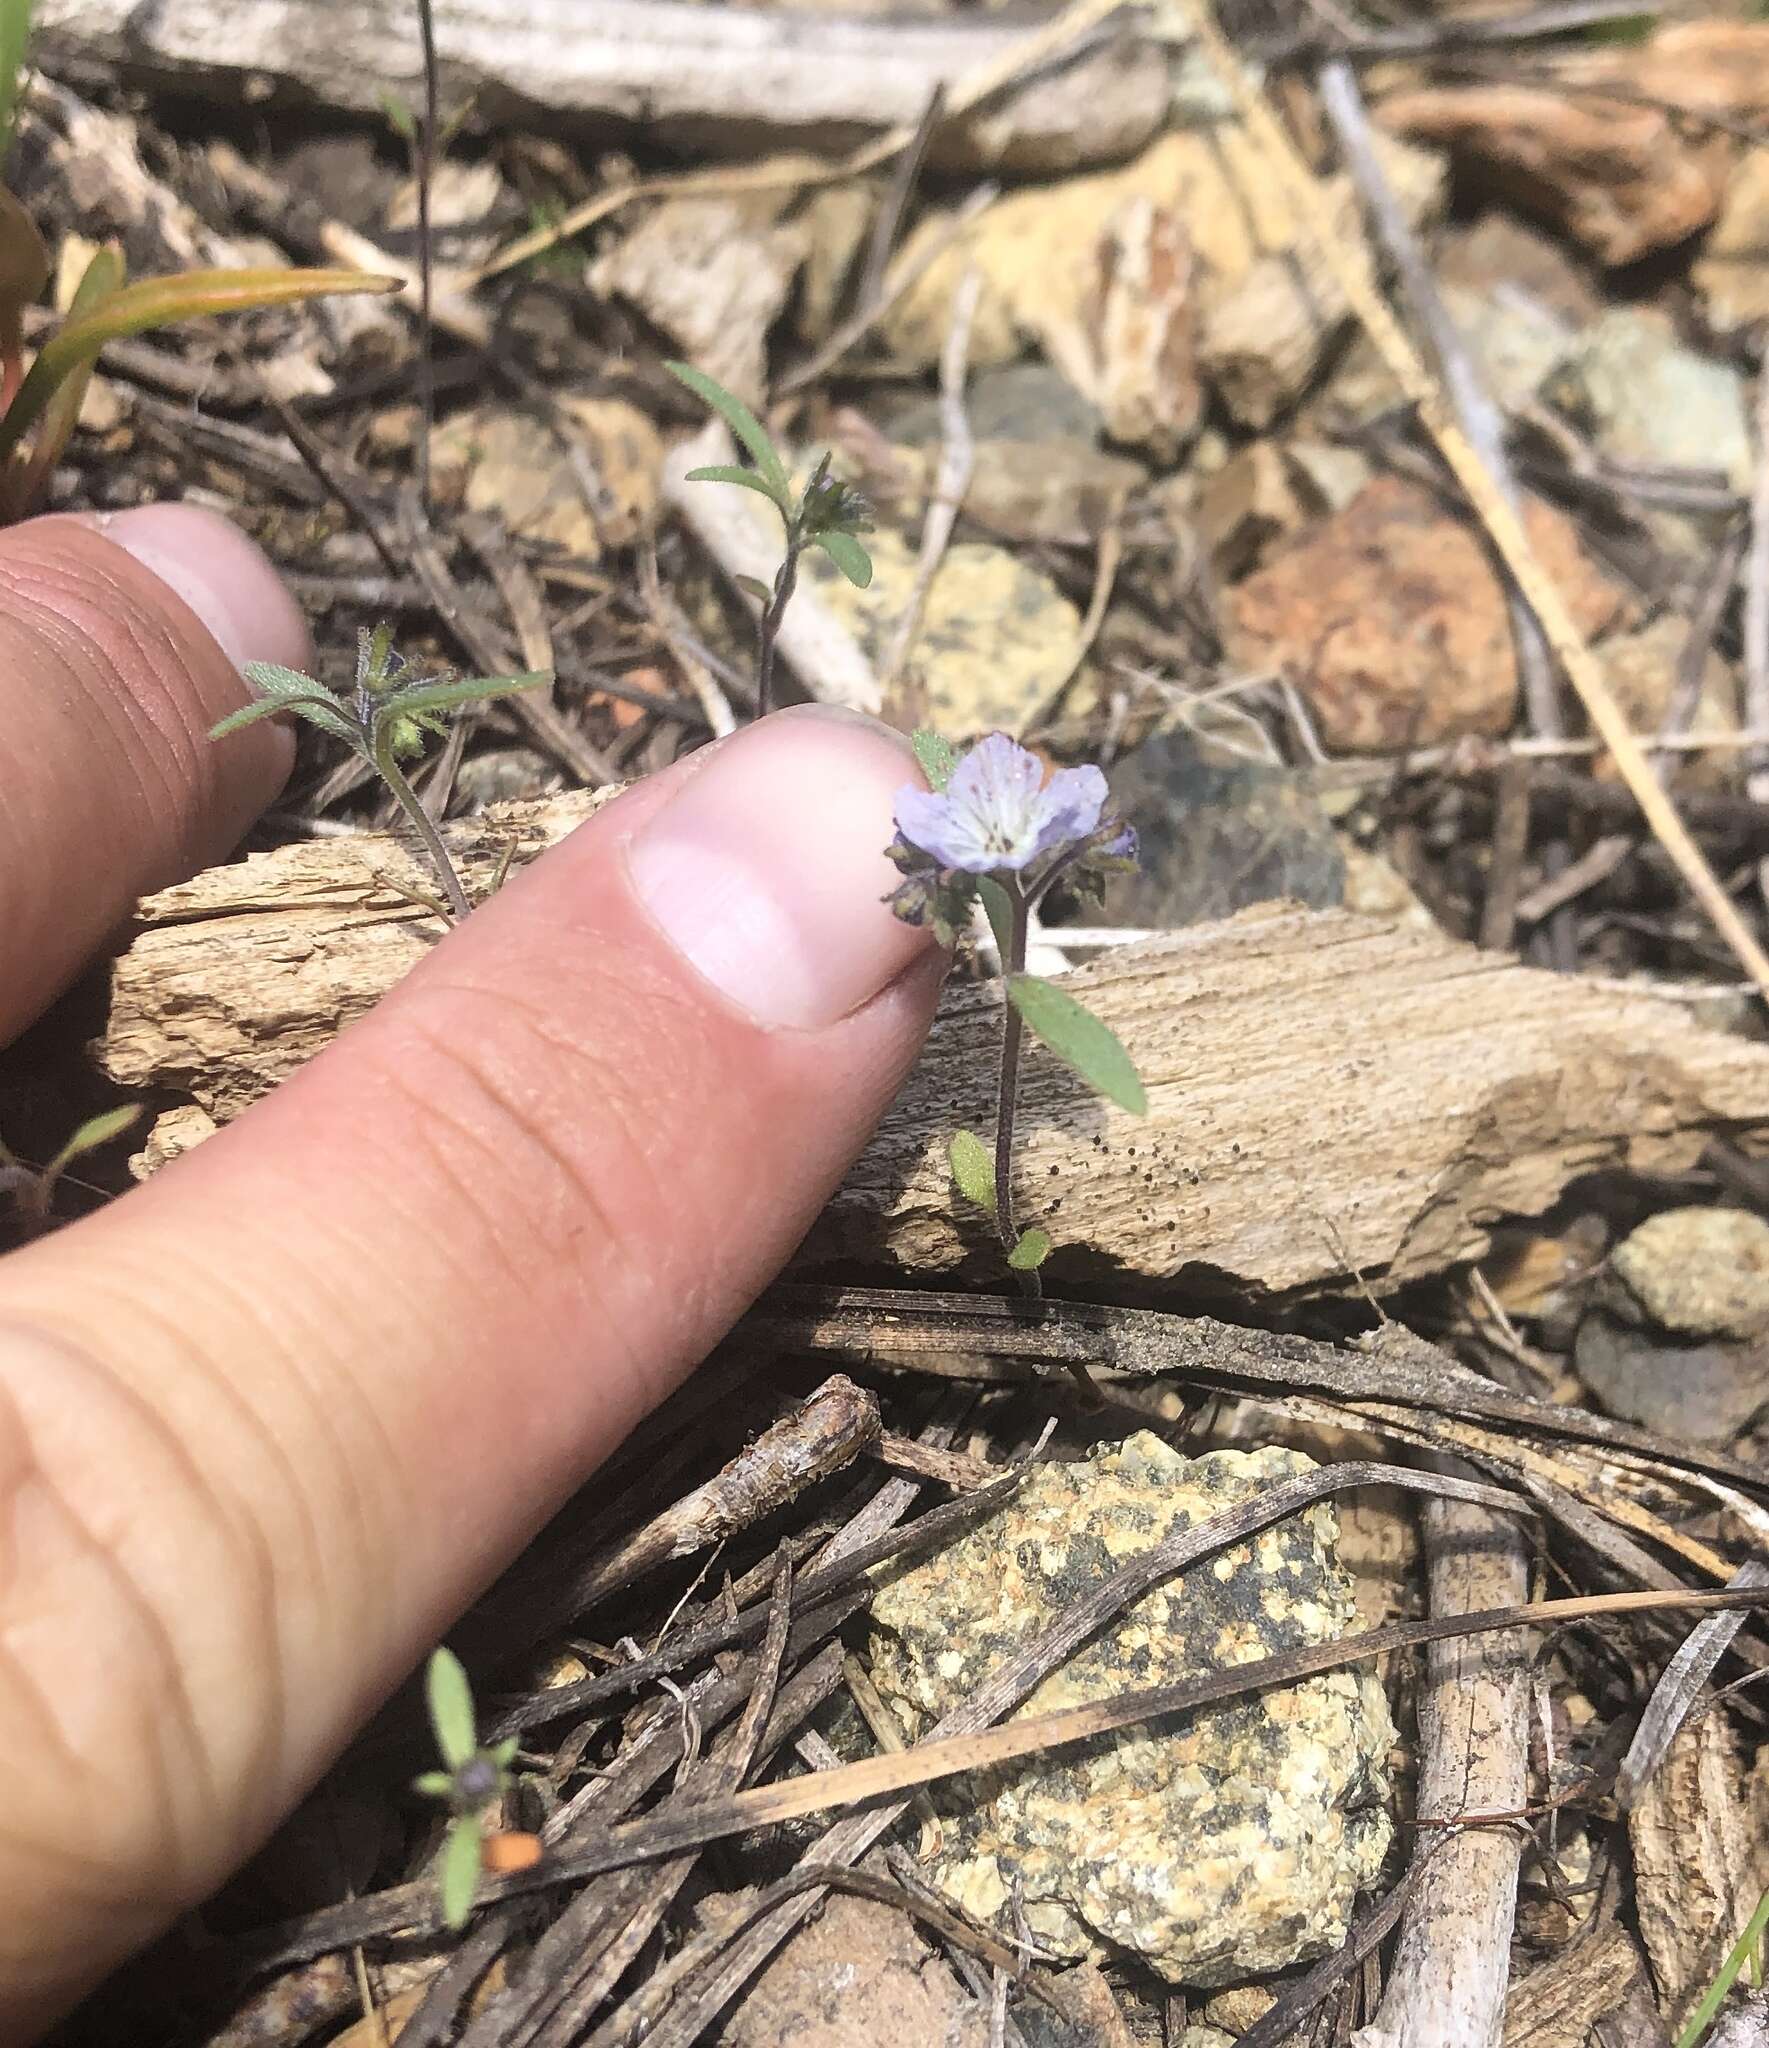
742, 422
1031, 1251
999, 911
937, 757
848, 556
503, 1754
435, 1784
450, 1699
458, 1869
973, 1169
159, 302
750, 479
422, 699
1075, 1034
94, 1132
315, 706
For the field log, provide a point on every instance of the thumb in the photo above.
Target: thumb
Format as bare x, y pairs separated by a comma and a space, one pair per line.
269, 1422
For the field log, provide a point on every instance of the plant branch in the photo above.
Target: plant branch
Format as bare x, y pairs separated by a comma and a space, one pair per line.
1013, 1031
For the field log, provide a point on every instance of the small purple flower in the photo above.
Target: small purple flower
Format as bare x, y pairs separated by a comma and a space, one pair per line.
998, 811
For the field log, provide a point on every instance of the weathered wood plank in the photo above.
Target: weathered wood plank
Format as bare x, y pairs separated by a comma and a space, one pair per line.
1330, 1095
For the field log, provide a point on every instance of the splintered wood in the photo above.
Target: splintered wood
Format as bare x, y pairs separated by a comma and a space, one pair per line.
1335, 1100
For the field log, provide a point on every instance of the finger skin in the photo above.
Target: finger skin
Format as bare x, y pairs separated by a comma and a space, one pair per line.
267, 1424
109, 682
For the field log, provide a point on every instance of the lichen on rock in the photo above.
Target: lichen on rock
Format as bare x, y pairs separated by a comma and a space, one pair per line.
1217, 1845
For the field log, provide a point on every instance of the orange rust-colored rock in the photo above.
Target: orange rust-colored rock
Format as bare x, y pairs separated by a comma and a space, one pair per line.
1391, 620
1627, 174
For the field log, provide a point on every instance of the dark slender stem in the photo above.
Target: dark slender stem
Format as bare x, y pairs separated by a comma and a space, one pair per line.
1013, 1031
768, 626
426, 170
408, 800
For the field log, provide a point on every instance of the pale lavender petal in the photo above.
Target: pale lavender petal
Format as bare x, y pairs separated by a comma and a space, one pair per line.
951, 835
1069, 807
999, 779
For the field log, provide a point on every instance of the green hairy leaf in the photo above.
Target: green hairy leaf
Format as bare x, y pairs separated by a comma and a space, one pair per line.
742, 422
1075, 1034
424, 698
973, 1169
94, 1132
458, 1872
1031, 1251
848, 556
937, 757
312, 704
751, 480
450, 1699
435, 1784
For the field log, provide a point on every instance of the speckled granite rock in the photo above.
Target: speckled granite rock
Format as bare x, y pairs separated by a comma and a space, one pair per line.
1218, 1847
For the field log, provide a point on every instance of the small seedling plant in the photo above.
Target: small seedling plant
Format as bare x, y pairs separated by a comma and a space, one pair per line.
39, 407
471, 1779
826, 514
382, 718
989, 828
31, 1189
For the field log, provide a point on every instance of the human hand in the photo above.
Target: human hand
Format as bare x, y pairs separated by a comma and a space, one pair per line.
269, 1422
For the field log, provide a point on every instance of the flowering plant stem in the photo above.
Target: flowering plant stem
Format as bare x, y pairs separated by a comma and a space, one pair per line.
1012, 1036
412, 805
768, 623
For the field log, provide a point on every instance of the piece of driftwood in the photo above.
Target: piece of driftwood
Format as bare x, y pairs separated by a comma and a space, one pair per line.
729, 78
1334, 1100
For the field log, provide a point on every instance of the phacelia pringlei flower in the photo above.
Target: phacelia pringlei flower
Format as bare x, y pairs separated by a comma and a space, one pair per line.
997, 818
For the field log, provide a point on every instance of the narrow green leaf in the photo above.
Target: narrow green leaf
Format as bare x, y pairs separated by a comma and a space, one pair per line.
450, 1700
848, 556
503, 1754
937, 757
742, 422
458, 1870
399, 115
973, 1168
15, 31
435, 1784
998, 909
94, 1132
102, 279
423, 698
750, 479
753, 586
1075, 1034
159, 302
1031, 1250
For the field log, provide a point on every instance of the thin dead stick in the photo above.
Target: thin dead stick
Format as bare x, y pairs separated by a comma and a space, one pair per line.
415, 1905
1314, 216
951, 478
1756, 593
1678, 1688
1475, 412
1453, 1964
829, 1431
1039, 48
868, 315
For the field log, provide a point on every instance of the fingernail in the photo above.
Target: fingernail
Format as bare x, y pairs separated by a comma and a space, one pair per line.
221, 575
768, 870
